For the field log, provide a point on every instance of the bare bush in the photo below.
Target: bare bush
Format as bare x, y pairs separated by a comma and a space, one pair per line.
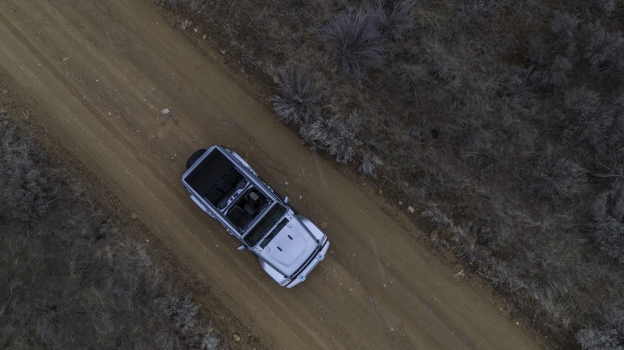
559, 176
607, 334
410, 78
368, 166
197, 5
601, 7
355, 43
507, 276
24, 194
392, 17
562, 33
608, 225
468, 133
300, 97
171, 5
442, 64
586, 117
181, 311
334, 136
209, 342
549, 73
474, 10
604, 51
515, 96
554, 55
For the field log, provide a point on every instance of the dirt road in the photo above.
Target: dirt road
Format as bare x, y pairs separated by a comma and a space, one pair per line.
100, 71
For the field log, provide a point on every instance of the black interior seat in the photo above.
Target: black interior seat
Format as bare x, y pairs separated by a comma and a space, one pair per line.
223, 202
244, 220
238, 216
249, 209
232, 178
214, 196
223, 186
240, 184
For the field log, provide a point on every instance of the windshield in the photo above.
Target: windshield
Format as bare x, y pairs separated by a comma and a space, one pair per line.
264, 225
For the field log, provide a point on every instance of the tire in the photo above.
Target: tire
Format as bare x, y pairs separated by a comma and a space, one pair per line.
192, 159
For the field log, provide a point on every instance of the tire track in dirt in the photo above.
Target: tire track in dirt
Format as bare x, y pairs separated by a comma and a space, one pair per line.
377, 290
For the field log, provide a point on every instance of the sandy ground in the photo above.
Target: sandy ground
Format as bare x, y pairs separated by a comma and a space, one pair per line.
97, 73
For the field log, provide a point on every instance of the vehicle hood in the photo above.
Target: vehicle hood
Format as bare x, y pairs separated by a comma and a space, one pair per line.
290, 248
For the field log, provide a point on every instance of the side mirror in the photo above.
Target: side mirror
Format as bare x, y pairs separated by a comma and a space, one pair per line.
286, 199
241, 247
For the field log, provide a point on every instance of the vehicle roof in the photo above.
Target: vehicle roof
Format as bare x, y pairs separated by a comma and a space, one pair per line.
223, 161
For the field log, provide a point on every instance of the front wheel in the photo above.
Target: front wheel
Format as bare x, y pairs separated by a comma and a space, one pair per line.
192, 159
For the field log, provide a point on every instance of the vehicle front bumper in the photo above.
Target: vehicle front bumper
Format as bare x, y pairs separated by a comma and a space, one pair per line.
311, 264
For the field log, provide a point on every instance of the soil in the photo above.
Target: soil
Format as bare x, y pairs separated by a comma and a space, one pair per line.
90, 80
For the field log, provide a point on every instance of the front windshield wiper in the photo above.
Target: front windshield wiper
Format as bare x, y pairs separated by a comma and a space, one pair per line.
263, 226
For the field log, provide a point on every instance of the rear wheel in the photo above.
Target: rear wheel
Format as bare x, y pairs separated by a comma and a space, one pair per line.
192, 159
